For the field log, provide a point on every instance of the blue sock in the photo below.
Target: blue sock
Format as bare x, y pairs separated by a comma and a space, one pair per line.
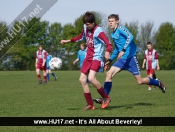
87, 81
53, 74
107, 87
48, 77
153, 82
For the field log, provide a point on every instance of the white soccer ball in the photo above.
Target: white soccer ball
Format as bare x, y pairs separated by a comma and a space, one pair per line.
55, 63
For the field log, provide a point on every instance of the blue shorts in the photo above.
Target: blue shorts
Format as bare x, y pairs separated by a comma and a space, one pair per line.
47, 67
130, 64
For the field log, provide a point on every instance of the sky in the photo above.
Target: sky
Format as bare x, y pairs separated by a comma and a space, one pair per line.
66, 11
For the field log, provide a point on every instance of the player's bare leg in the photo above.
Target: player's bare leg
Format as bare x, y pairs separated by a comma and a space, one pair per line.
150, 86
100, 89
38, 75
87, 94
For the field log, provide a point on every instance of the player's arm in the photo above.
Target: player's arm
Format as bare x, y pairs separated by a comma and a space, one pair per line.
144, 61
104, 38
44, 59
78, 38
157, 60
113, 56
129, 38
75, 61
36, 60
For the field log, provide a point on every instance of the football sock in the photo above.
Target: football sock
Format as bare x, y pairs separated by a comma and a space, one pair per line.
102, 93
39, 77
53, 74
107, 87
48, 77
88, 98
153, 82
150, 86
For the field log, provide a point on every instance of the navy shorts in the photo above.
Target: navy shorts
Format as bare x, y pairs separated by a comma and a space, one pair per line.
130, 64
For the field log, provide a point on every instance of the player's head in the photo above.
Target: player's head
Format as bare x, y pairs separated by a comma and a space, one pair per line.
149, 46
40, 47
113, 20
48, 52
89, 20
82, 46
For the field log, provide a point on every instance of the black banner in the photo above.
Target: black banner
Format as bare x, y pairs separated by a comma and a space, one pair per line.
87, 121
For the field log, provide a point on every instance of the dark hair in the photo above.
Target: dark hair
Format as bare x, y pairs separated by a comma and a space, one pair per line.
88, 18
40, 45
149, 43
115, 16
48, 52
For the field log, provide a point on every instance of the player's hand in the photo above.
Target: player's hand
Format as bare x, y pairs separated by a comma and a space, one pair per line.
107, 55
120, 55
35, 65
143, 66
74, 62
106, 67
64, 41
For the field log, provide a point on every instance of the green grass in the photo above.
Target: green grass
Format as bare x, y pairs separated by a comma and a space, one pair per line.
21, 96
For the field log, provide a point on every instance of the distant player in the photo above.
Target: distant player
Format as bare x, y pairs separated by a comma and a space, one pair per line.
48, 70
95, 39
81, 56
40, 64
151, 60
125, 52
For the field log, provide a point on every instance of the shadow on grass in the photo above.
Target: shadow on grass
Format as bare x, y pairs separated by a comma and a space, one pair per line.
73, 109
129, 106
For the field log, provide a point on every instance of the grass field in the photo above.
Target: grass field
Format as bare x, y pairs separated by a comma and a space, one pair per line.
21, 96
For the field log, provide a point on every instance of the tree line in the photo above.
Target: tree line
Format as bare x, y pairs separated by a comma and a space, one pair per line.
24, 45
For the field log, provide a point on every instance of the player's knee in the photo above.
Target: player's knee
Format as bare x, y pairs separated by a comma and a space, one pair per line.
91, 79
108, 74
82, 80
139, 82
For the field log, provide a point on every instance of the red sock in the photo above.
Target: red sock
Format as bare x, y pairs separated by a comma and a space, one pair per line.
39, 77
150, 86
102, 93
44, 78
88, 98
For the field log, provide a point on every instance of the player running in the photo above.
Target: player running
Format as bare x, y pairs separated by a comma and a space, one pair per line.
48, 70
151, 60
93, 63
40, 64
125, 51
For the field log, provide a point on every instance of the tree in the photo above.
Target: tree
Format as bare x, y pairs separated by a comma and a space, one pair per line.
36, 32
145, 35
67, 33
165, 44
134, 29
53, 44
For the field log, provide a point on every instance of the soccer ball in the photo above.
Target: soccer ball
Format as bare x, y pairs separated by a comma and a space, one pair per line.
55, 63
